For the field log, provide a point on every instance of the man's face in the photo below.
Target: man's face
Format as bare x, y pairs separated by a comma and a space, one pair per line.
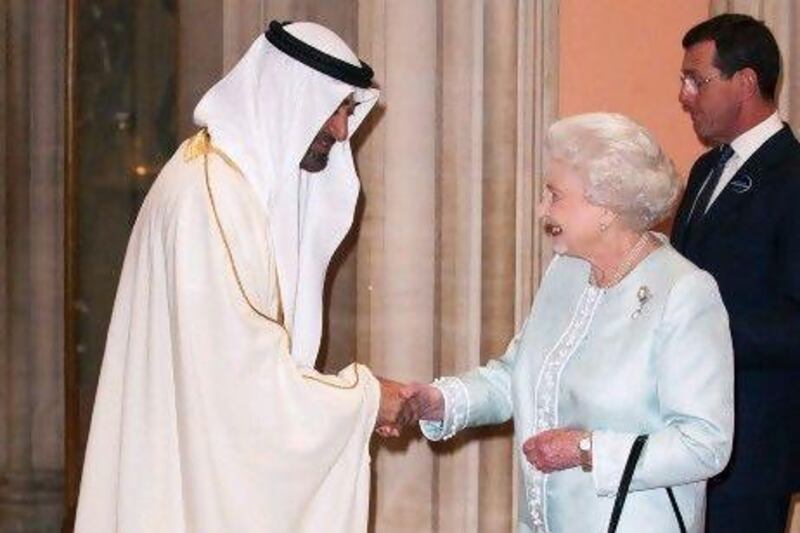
334, 130
712, 101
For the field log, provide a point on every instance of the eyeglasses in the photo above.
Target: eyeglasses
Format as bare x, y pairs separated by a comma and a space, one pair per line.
693, 84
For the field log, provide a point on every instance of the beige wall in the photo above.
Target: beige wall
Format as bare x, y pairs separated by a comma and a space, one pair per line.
625, 56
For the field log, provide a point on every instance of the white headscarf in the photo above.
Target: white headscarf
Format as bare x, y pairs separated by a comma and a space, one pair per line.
264, 115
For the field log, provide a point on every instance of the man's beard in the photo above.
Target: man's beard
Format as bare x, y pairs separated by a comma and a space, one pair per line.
316, 157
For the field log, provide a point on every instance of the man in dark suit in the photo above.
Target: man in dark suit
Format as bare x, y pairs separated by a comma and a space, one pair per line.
740, 220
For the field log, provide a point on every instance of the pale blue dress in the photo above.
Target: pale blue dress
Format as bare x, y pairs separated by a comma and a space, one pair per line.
650, 355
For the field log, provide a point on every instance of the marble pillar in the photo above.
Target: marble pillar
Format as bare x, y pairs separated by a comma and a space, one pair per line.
449, 251
31, 488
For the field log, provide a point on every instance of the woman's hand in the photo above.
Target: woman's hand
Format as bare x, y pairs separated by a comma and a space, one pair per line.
423, 402
554, 449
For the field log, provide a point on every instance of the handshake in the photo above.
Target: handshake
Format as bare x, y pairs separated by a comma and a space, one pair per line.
403, 405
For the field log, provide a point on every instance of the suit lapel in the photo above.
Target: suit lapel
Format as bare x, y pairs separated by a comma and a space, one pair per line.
745, 182
738, 191
696, 180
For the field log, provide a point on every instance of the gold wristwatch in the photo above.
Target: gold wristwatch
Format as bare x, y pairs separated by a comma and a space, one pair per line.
585, 451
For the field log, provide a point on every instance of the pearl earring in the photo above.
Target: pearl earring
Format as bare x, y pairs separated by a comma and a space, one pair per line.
603, 226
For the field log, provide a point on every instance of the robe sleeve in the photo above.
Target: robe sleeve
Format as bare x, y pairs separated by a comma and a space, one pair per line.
240, 355
694, 366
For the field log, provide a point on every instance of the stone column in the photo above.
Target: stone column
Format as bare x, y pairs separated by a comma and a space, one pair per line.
199, 57
397, 255
458, 483
477, 70
32, 481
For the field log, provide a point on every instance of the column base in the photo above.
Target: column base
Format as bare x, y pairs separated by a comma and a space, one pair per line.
31, 501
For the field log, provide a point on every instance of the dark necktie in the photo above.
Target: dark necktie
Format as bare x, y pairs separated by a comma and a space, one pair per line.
701, 203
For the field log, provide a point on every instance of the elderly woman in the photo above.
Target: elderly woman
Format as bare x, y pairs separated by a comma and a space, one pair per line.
625, 337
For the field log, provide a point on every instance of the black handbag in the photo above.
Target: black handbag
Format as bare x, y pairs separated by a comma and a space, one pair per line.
625, 483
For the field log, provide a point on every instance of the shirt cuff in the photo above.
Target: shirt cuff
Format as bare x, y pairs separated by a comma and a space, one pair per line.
456, 410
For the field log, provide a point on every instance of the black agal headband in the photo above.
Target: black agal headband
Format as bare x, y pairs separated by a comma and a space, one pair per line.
316, 59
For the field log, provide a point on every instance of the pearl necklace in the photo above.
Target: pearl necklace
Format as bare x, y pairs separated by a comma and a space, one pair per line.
627, 263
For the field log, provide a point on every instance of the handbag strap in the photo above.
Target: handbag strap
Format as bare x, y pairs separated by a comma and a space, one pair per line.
676, 509
625, 483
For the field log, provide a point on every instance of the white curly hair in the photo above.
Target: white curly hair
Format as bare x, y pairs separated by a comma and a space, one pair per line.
621, 164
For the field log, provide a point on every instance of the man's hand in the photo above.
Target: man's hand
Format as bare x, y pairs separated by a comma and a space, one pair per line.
404, 405
554, 449
390, 412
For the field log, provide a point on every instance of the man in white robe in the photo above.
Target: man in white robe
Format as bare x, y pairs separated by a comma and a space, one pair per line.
209, 415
